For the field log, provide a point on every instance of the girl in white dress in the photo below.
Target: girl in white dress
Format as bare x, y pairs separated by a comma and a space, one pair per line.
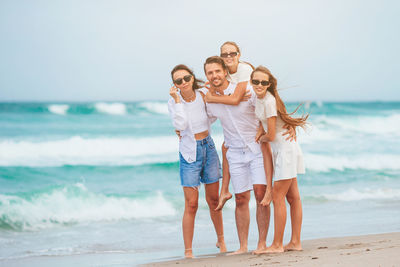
287, 157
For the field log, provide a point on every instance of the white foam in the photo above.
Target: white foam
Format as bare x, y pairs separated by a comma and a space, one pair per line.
156, 107
356, 195
58, 109
324, 163
75, 204
389, 125
96, 151
111, 108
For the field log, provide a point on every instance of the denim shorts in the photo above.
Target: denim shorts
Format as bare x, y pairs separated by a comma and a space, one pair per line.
206, 169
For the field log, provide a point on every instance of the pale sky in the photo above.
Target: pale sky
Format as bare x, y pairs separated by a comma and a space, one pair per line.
77, 50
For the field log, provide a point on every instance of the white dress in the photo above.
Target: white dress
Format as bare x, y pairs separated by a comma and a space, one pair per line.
286, 155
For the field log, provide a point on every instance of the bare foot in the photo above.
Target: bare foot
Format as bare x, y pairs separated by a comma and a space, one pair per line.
293, 247
237, 252
260, 249
221, 245
270, 249
188, 253
224, 197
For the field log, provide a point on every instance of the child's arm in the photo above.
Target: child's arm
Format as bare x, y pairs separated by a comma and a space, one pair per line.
233, 99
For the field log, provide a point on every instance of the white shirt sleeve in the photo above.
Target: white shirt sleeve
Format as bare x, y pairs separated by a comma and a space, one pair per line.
178, 115
270, 106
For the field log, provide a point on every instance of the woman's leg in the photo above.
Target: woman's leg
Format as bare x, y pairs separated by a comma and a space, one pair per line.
226, 177
216, 215
296, 216
278, 195
191, 204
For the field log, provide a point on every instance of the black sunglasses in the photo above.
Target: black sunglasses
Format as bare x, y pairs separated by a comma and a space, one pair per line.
180, 80
231, 54
257, 82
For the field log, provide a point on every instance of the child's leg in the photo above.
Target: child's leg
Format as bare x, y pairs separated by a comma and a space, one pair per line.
225, 195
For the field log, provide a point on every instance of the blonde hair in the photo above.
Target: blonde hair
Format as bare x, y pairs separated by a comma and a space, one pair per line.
280, 106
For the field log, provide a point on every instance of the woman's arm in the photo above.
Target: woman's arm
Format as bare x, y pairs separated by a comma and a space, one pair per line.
269, 136
176, 111
233, 99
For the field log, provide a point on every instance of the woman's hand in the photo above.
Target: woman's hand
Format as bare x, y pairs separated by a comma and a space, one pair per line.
260, 132
173, 91
263, 138
207, 85
291, 132
267, 198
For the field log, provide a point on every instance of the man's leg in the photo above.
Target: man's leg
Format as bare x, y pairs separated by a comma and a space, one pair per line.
216, 216
226, 177
263, 216
191, 204
296, 216
242, 216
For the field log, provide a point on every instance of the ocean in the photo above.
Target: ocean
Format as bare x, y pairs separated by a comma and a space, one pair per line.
99, 182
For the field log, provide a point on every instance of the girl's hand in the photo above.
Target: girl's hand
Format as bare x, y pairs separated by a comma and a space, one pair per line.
246, 96
173, 91
267, 198
207, 85
208, 97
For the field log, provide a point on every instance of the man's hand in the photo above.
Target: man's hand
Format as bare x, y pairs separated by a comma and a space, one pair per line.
178, 133
291, 132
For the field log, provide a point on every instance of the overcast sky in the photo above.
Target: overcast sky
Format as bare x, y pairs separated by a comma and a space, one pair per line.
77, 50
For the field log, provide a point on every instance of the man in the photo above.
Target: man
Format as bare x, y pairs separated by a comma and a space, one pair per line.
245, 158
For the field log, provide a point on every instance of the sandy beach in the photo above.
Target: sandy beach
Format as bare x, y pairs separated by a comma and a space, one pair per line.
365, 250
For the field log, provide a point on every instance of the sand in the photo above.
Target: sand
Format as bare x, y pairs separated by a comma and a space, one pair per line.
366, 250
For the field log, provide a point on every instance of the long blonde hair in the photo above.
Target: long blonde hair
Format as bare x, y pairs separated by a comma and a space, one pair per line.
280, 106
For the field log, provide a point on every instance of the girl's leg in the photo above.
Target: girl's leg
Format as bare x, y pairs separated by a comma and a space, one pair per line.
278, 195
216, 215
226, 177
191, 204
296, 216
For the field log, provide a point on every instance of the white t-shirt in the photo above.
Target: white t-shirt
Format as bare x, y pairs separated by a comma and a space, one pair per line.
239, 123
242, 74
266, 108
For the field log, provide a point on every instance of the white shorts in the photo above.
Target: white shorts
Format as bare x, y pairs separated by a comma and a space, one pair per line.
246, 169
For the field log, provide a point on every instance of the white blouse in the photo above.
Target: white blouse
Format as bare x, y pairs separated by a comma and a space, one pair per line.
242, 74
189, 118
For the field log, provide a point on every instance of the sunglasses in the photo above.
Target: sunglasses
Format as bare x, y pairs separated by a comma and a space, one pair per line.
180, 80
232, 54
257, 82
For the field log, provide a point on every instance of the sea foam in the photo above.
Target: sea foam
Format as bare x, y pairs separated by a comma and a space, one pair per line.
58, 109
155, 107
325, 163
363, 194
111, 108
95, 151
76, 204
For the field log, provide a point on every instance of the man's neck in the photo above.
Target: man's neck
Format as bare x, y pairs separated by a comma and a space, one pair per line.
220, 89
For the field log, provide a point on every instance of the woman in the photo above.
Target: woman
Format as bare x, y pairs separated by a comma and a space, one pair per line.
198, 159
287, 157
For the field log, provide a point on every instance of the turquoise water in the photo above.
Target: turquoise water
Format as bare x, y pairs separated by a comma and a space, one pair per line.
88, 178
